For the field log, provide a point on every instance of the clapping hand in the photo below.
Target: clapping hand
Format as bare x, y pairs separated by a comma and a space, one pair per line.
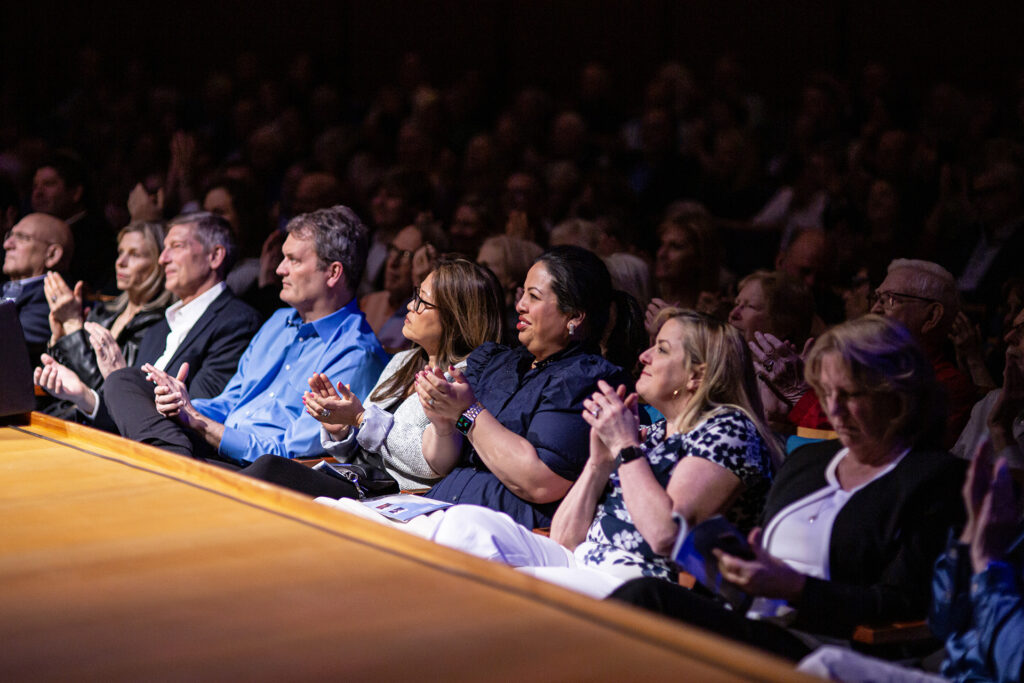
170, 393
613, 416
65, 306
965, 335
59, 381
108, 353
336, 409
143, 206
443, 400
779, 366
651, 315
424, 260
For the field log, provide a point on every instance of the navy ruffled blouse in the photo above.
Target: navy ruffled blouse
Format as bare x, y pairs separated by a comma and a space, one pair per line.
541, 404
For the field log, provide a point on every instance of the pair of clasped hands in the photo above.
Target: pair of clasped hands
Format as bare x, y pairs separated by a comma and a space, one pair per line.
170, 393
443, 395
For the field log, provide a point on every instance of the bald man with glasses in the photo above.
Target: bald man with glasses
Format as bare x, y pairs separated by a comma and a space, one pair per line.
38, 243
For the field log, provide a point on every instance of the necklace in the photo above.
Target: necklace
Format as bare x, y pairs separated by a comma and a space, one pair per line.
813, 518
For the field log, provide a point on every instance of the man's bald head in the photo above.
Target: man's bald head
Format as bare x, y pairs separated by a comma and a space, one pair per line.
37, 243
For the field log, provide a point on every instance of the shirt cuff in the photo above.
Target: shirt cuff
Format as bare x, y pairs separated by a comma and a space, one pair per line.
233, 444
374, 429
996, 574
329, 442
95, 405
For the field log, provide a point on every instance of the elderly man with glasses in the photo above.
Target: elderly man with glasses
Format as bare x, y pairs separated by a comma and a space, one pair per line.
923, 297
36, 244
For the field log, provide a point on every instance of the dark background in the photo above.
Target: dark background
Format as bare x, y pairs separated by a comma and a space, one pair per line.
516, 42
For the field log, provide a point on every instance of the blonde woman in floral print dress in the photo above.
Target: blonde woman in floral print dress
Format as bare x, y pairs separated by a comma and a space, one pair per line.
620, 519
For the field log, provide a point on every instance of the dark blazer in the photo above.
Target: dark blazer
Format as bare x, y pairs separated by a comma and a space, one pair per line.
212, 348
34, 314
884, 541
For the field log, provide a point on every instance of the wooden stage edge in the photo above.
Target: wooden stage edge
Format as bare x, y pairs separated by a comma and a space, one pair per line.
730, 659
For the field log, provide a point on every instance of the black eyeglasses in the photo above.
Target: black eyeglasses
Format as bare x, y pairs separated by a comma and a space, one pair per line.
419, 304
890, 299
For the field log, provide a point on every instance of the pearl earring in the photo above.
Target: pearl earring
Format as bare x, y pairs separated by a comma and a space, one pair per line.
572, 329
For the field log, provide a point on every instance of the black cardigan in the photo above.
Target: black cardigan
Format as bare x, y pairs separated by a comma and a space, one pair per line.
884, 541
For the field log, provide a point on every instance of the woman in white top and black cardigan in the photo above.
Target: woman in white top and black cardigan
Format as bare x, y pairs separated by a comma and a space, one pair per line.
853, 526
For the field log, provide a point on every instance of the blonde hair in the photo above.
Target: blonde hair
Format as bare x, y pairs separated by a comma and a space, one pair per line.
728, 382
882, 357
152, 289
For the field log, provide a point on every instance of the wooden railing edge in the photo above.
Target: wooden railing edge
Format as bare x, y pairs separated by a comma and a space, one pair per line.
746, 661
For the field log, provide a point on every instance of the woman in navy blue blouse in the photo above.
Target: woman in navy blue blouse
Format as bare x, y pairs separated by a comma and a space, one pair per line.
619, 520
508, 434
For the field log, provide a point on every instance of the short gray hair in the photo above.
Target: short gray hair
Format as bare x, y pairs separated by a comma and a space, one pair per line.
339, 235
932, 281
211, 230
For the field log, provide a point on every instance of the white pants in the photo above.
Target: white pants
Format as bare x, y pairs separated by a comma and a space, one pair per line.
839, 664
495, 536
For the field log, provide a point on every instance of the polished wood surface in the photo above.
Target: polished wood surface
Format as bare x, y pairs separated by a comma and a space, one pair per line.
120, 561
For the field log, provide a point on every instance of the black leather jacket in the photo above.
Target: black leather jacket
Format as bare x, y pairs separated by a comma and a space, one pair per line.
75, 351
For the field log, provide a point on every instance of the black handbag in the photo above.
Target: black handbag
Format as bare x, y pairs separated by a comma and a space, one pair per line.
368, 481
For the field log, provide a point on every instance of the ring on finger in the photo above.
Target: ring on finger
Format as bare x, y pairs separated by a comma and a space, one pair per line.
769, 364
596, 412
324, 412
430, 402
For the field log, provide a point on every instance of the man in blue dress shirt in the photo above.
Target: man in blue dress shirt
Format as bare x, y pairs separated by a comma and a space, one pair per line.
260, 410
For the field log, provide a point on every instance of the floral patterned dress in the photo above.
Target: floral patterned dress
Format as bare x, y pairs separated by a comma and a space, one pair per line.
728, 438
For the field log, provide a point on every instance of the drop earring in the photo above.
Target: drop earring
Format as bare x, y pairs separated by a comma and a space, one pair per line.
572, 329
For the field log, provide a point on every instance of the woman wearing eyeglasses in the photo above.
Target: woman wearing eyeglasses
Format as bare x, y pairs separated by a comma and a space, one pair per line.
455, 309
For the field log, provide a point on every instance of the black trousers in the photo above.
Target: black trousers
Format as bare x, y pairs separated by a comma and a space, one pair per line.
128, 397
298, 477
674, 601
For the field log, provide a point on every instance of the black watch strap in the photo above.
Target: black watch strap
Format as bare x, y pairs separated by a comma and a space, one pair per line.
629, 454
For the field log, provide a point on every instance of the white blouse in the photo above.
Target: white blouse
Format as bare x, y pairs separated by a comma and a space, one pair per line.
801, 533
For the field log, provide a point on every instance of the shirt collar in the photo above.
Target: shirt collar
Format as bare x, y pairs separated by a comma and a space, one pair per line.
26, 281
570, 350
326, 326
14, 289
196, 307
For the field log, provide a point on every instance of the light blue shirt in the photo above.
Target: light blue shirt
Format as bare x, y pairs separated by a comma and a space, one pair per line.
261, 406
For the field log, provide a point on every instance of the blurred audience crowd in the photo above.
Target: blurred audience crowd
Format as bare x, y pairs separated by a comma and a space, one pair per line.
514, 253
